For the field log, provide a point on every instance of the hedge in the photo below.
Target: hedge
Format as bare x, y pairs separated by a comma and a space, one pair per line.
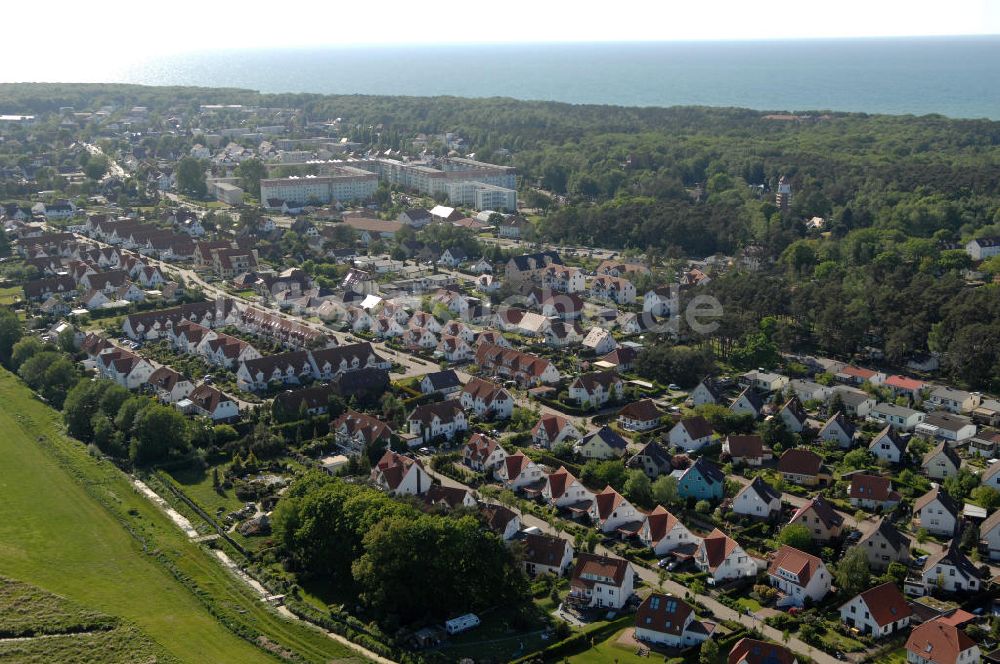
577, 642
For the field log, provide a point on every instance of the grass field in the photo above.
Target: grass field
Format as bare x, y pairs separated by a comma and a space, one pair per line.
612, 651
37, 626
10, 295
65, 523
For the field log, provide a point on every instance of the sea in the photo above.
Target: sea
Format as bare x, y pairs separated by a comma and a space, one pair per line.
954, 76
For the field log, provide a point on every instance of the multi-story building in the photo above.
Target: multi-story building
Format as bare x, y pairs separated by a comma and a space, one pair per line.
342, 183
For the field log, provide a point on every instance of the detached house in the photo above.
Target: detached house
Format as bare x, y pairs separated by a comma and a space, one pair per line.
706, 392
601, 444
612, 512
885, 545
400, 475
951, 571
519, 473
754, 651
989, 535
487, 400
502, 521
596, 389
691, 434
169, 385
940, 642
641, 415
823, 521
552, 430
663, 532
878, 611
601, 581
793, 415
749, 403
723, 559
125, 368
798, 576
564, 491
898, 417
599, 341
758, 500
444, 382
546, 554
702, 481
443, 419
667, 621
745, 450
651, 459
483, 453
941, 462
358, 431
937, 512
955, 401
888, 446
803, 467
838, 430
209, 402
872, 492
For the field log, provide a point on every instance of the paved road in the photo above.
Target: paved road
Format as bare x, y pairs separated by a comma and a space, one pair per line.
652, 579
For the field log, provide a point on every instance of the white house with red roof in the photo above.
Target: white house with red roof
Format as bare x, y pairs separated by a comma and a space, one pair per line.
400, 475
663, 532
124, 367
486, 399
553, 429
667, 621
601, 581
611, 511
483, 453
517, 472
798, 575
939, 641
878, 611
903, 386
564, 490
872, 492
722, 558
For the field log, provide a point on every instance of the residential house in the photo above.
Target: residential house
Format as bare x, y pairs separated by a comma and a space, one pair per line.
803, 467
991, 476
885, 545
748, 402
169, 385
723, 559
565, 491
652, 459
838, 430
358, 432
599, 341
808, 390
872, 492
486, 399
703, 480
821, 518
525, 368
706, 392
692, 434
601, 581
758, 500
745, 450
878, 611
284, 368
989, 535
553, 429
483, 453
937, 513
519, 473
546, 554
798, 576
124, 367
621, 358
449, 497
856, 403
946, 426
442, 382
888, 446
601, 444
501, 520
907, 387
612, 512
981, 248
400, 475
670, 622
793, 415
595, 389
659, 301
663, 532
433, 420
754, 651
641, 415
938, 641
954, 401
898, 417
209, 402
951, 571
860, 375
941, 462
614, 289
764, 381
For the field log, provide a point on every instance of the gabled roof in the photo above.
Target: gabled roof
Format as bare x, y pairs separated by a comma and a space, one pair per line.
718, 546
446, 411
800, 462
663, 613
550, 424
592, 564
452, 496
753, 651
656, 453
559, 481
752, 398
945, 449
697, 427
643, 410
711, 473
952, 555
660, 522
497, 517
941, 496
888, 434
794, 407
394, 467
608, 436
838, 420
890, 533
886, 604
991, 522
872, 487
822, 509
765, 491
443, 380
607, 501
745, 446
799, 563
938, 642
544, 549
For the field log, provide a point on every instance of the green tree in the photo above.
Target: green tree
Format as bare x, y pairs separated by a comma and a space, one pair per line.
191, 177
986, 496
159, 430
638, 488
10, 333
795, 535
250, 172
852, 573
665, 490
96, 166
24, 350
709, 652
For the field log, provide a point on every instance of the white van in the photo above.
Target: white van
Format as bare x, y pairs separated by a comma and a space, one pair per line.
462, 623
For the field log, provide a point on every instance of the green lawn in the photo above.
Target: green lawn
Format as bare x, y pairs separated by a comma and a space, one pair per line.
10, 295
197, 485
897, 656
748, 603
63, 521
612, 651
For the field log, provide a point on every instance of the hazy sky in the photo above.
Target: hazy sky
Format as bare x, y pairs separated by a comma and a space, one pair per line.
114, 28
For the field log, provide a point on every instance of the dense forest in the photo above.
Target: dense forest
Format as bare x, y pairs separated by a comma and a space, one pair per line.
899, 195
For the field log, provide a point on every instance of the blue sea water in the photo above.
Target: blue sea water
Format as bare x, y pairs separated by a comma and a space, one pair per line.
954, 76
